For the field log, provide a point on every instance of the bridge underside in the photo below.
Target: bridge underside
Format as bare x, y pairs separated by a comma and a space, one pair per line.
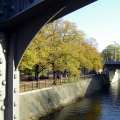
22, 27
112, 65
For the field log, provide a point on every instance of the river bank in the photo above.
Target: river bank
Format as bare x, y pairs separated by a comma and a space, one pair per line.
102, 106
38, 103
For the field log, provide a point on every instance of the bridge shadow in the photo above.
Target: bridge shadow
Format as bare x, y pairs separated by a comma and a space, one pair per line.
98, 83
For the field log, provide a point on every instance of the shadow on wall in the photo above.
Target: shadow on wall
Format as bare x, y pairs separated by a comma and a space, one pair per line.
98, 83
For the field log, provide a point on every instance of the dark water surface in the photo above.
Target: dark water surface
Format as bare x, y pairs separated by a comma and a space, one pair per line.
105, 106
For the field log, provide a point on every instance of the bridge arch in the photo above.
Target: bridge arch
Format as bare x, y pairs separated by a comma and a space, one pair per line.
22, 27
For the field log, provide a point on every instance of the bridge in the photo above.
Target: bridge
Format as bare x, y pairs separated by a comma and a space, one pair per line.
111, 60
19, 22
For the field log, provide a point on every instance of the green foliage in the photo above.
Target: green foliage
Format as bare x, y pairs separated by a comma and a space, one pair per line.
111, 52
59, 46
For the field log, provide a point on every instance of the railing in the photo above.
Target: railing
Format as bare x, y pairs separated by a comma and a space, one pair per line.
33, 85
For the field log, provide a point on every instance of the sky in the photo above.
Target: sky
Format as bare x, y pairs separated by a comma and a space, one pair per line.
100, 20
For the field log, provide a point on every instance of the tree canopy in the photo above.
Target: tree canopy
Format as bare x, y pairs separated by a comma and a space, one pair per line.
111, 52
60, 46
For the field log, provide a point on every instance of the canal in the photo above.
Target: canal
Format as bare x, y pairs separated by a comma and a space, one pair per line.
103, 106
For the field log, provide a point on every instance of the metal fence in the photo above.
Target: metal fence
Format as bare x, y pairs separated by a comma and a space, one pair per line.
33, 85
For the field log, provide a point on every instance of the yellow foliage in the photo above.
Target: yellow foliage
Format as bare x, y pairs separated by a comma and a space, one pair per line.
61, 45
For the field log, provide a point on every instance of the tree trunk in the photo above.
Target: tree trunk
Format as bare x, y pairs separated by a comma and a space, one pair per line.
54, 74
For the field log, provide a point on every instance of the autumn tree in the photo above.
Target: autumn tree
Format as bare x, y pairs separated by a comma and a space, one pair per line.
61, 46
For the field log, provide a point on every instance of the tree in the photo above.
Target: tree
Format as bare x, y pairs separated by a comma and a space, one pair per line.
111, 52
59, 47
62, 37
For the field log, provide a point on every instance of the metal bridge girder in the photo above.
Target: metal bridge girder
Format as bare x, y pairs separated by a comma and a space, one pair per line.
27, 23
2, 77
25, 17
9, 8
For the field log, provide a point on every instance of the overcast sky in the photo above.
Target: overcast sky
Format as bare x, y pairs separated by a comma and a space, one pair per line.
100, 20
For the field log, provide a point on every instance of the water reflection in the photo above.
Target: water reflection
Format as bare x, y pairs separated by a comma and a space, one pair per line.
105, 106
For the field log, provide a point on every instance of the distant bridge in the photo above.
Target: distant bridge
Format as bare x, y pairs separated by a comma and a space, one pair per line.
112, 64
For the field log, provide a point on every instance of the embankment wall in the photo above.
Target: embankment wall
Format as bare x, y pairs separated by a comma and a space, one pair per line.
37, 103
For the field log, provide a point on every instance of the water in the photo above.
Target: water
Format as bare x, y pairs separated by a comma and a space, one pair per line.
105, 106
